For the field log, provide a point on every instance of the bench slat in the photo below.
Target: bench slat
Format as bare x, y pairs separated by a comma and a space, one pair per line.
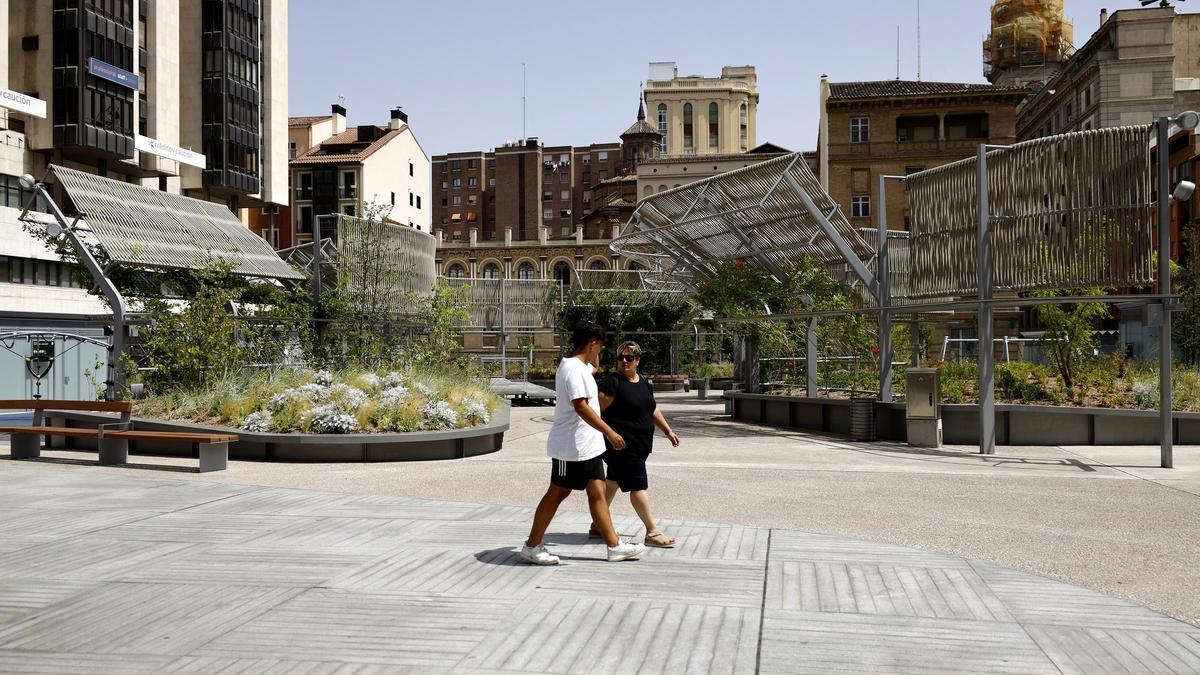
53, 431
193, 437
45, 404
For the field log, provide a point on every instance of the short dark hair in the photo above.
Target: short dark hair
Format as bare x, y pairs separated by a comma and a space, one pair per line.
585, 332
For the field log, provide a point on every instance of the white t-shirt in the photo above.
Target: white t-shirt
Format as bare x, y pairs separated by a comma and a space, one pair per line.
572, 439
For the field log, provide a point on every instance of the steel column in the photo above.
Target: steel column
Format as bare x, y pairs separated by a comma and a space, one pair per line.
835, 237
1165, 391
885, 295
987, 361
811, 362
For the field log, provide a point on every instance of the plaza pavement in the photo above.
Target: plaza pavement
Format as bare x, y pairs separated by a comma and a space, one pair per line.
348, 568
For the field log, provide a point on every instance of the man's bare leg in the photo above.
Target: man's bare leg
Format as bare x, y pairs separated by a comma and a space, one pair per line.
598, 505
546, 509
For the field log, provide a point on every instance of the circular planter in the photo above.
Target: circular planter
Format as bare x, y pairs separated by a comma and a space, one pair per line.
295, 447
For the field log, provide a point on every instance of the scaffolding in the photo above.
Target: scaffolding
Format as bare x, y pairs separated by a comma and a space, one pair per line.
1027, 33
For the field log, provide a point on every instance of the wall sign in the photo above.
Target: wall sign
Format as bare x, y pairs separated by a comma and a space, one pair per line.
181, 155
15, 100
112, 73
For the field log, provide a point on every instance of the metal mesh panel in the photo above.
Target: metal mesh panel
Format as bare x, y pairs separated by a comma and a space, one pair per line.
1066, 211
754, 213
516, 304
147, 228
405, 255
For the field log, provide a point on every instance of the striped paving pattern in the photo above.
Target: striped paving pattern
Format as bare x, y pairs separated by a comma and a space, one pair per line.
112, 573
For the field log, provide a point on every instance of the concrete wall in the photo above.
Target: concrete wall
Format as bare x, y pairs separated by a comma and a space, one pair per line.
274, 69
1015, 424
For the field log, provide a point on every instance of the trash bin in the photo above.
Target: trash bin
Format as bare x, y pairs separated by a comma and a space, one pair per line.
862, 418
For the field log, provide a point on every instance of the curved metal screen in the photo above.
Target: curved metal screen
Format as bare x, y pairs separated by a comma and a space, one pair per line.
147, 228
1066, 211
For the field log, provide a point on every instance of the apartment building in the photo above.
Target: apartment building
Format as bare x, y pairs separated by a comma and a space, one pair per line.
703, 115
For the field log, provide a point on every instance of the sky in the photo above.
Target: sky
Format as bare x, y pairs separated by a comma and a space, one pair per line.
455, 67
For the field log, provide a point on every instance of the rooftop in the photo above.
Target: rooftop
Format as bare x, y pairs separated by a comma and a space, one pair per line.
890, 88
352, 145
307, 121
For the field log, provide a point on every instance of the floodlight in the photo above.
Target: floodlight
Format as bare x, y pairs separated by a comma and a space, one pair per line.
1183, 191
1188, 120
54, 229
28, 181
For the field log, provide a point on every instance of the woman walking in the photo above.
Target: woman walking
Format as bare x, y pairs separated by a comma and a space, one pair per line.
628, 406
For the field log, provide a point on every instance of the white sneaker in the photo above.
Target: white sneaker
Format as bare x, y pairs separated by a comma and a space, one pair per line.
624, 551
538, 555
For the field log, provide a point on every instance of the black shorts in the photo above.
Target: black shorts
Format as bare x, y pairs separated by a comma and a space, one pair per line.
627, 470
575, 475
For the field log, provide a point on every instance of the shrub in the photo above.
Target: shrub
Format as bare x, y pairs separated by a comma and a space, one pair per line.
958, 380
1022, 381
259, 422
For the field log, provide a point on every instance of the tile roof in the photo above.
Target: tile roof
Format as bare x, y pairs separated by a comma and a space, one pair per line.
884, 88
641, 127
346, 147
307, 121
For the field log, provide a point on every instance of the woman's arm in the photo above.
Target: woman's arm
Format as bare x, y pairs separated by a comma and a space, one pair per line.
606, 400
666, 428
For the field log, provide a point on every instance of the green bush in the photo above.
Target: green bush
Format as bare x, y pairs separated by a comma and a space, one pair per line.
1020, 381
958, 380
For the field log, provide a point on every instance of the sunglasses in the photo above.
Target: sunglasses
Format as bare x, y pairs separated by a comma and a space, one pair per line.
628, 357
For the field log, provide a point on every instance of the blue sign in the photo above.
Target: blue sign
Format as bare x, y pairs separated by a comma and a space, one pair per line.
112, 73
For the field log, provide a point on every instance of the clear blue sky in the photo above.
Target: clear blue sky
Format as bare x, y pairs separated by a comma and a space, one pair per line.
455, 67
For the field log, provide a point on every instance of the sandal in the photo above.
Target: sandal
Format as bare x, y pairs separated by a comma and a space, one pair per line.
659, 540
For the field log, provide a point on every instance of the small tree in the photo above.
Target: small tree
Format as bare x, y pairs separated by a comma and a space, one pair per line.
1069, 336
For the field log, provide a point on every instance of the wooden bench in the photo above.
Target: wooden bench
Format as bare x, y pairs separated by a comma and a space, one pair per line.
112, 439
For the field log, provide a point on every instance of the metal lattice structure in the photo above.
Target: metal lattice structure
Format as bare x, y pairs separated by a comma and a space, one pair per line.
1066, 211
407, 255
511, 304
770, 213
637, 285
145, 228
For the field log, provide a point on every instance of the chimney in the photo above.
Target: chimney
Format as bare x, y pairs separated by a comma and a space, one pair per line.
1103, 15
399, 118
339, 118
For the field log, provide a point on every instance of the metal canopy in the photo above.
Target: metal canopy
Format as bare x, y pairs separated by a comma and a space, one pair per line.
148, 228
770, 213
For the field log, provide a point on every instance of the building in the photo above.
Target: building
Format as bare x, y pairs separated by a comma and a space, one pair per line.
1140, 64
1029, 40
186, 97
898, 127
703, 115
523, 186
663, 173
357, 170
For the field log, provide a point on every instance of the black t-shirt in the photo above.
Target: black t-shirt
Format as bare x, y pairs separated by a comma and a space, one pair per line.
631, 413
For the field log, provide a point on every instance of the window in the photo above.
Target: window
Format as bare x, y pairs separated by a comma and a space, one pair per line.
548, 214
564, 177
471, 164
565, 195
491, 182
444, 167
348, 185
860, 130
411, 169
457, 182
587, 177
687, 129
910, 170
456, 271
603, 175
744, 128
472, 199
587, 159
348, 209
918, 129
411, 198
562, 272
291, 149
525, 271
597, 265
418, 201
445, 185
1070, 112
306, 186
587, 196
662, 124
714, 127
456, 164
491, 271
305, 223
547, 196
564, 213
860, 206
394, 198
603, 156
472, 182
457, 199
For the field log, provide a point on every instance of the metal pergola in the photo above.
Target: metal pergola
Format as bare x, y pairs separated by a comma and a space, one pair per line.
1068, 211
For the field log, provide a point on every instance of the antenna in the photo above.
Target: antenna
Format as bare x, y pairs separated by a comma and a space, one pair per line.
918, 40
897, 52
523, 102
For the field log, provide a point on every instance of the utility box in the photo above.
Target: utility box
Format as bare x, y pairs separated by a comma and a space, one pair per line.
923, 411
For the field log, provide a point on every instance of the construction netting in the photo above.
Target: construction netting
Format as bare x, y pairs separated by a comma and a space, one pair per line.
1027, 33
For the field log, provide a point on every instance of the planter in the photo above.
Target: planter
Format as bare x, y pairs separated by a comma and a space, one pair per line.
393, 447
1032, 425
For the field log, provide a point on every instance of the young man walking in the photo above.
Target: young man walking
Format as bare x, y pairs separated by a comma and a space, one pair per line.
575, 446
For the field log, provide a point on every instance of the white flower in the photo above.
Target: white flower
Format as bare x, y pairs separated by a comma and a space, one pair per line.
477, 413
327, 419
370, 381
347, 398
1145, 394
423, 389
393, 379
323, 378
257, 422
439, 415
393, 397
312, 393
